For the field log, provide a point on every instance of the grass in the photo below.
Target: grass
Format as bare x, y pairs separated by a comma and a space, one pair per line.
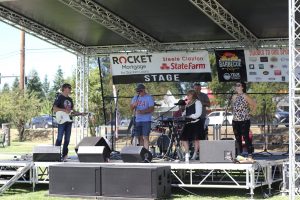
24, 192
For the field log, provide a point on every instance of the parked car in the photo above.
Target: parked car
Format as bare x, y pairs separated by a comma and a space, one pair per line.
218, 117
43, 121
281, 117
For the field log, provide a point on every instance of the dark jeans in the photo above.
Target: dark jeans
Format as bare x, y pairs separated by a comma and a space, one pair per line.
242, 128
64, 129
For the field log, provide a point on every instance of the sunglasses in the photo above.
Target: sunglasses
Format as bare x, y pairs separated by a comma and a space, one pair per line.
238, 85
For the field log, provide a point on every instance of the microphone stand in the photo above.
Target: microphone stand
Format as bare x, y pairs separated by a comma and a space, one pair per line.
226, 111
52, 115
115, 122
264, 124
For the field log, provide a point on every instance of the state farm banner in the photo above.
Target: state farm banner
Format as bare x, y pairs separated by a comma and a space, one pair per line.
231, 65
160, 67
267, 65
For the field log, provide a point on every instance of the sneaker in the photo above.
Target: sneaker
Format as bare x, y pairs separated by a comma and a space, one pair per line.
195, 156
64, 159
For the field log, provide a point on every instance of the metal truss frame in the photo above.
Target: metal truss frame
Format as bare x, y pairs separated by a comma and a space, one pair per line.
294, 97
216, 12
81, 93
40, 31
113, 22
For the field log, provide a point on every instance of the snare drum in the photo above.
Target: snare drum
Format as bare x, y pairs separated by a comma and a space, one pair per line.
163, 143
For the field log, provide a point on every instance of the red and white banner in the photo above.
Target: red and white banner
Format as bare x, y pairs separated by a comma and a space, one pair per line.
267, 65
160, 67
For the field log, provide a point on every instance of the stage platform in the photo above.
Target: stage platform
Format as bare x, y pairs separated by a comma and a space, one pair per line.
265, 171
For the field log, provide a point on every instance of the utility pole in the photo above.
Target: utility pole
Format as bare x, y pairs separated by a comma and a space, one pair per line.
22, 61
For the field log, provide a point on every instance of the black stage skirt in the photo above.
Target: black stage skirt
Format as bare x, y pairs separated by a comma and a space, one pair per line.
193, 131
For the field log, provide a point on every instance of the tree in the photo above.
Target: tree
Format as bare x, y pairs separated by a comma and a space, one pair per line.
34, 85
19, 107
15, 85
46, 86
5, 88
57, 83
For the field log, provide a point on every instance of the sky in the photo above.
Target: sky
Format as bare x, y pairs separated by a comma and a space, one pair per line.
41, 56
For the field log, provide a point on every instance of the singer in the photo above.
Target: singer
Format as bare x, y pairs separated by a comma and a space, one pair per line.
143, 106
193, 111
241, 104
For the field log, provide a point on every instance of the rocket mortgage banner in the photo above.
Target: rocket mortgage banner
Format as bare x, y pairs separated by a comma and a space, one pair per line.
267, 65
231, 65
160, 67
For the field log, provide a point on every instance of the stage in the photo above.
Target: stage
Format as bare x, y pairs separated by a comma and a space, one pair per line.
267, 170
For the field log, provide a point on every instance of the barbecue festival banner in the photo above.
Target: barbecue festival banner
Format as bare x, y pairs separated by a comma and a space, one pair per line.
160, 67
231, 65
267, 65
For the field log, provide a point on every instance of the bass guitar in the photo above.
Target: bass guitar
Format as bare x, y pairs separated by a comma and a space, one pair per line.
62, 117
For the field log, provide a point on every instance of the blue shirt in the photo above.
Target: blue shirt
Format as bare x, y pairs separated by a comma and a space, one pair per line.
144, 102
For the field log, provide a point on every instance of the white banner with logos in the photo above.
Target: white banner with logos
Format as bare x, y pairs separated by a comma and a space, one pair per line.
160, 67
267, 65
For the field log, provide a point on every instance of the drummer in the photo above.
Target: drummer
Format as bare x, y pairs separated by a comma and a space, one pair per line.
193, 111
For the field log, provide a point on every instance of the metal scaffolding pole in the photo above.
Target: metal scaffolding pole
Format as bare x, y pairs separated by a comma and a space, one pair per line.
81, 93
294, 97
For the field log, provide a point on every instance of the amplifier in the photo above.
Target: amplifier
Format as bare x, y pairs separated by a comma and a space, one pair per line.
46, 154
218, 151
75, 179
136, 181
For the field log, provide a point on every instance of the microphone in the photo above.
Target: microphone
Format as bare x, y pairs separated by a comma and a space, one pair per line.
180, 103
156, 104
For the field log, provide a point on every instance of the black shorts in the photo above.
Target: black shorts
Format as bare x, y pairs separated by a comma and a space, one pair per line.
193, 131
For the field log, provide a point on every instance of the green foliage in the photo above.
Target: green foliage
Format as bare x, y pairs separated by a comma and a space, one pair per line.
15, 85
5, 88
46, 86
18, 108
57, 83
34, 85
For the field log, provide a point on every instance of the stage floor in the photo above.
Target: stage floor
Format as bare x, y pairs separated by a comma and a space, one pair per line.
266, 170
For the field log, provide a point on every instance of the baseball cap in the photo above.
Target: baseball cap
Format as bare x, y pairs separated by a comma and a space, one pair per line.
140, 87
196, 84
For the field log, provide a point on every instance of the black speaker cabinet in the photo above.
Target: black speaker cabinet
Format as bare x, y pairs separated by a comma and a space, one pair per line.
75, 179
135, 154
46, 154
92, 141
93, 153
218, 151
136, 181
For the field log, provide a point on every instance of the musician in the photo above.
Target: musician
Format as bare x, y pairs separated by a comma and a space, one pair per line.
242, 103
64, 103
143, 106
205, 103
193, 111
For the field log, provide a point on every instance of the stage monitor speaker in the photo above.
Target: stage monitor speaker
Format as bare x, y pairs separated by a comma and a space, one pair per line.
151, 182
75, 179
135, 154
46, 154
93, 141
93, 153
218, 151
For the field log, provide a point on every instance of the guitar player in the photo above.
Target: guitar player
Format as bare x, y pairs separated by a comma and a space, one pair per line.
64, 103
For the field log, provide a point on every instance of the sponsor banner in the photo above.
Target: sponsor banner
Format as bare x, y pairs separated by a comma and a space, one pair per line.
267, 65
231, 65
147, 78
160, 67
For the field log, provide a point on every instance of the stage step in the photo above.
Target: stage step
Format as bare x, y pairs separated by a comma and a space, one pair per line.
8, 172
3, 182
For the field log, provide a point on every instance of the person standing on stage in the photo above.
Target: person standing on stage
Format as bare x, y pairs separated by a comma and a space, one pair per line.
205, 103
193, 111
241, 104
64, 103
143, 106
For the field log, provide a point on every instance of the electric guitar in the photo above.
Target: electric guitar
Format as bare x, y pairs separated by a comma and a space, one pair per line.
62, 117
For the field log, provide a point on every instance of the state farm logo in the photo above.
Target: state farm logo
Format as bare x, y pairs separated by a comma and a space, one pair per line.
164, 66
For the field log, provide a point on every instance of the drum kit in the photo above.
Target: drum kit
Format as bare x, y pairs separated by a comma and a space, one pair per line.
169, 141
